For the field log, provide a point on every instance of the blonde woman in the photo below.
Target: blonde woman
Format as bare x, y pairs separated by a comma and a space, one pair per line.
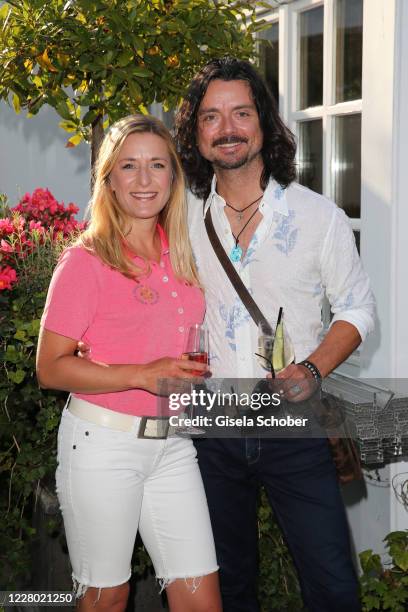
129, 290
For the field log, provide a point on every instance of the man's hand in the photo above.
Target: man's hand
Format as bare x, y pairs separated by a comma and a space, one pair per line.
296, 383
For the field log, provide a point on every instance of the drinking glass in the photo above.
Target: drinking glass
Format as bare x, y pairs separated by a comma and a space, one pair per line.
196, 345
275, 348
195, 349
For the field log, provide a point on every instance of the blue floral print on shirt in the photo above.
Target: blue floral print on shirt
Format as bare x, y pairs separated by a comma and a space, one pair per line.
233, 318
278, 193
285, 233
346, 303
250, 254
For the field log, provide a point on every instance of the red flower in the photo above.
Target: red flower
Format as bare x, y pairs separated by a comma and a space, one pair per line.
43, 208
8, 276
6, 226
36, 225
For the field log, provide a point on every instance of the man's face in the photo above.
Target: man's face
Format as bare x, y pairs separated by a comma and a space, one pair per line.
228, 130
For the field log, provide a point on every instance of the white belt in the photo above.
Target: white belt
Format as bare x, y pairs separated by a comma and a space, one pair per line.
144, 427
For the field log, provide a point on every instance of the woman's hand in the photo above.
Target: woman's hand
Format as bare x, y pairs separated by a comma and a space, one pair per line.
169, 368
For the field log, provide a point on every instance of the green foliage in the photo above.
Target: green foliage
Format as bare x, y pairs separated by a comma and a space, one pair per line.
98, 60
28, 416
278, 587
386, 588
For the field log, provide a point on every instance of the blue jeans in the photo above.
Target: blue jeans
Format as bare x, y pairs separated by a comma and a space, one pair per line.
301, 484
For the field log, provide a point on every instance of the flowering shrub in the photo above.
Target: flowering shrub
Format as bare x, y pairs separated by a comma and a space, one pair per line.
36, 220
32, 235
43, 210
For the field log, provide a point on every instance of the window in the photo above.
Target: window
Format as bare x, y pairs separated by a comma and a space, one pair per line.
311, 153
268, 49
311, 57
325, 107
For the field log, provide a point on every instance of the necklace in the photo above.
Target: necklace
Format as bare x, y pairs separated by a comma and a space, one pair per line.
242, 210
236, 252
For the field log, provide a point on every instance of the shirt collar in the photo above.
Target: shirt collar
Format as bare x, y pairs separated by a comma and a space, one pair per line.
274, 199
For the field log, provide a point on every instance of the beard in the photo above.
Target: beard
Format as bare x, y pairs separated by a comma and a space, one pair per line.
236, 163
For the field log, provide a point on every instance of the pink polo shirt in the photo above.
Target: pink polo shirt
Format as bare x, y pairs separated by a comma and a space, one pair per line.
123, 321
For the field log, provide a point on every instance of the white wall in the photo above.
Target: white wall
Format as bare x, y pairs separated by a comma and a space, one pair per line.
33, 154
374, 509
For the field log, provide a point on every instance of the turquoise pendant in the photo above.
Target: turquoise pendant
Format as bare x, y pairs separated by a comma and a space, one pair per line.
236, 253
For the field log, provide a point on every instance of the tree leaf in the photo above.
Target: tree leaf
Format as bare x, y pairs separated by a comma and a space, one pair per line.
89, 117
74, 141
16, 377
143, 109
68, 126
45, 62
63, 110
135, 91
401, 559
16, 103
140, 71
125, 58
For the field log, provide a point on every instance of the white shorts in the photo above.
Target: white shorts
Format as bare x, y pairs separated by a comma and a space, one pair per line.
110, 484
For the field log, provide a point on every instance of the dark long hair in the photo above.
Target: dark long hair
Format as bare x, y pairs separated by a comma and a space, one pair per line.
279, 147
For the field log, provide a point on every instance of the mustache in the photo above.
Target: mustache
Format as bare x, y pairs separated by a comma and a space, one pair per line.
228, 140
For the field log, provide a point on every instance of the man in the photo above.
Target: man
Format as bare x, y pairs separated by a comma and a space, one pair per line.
290, 246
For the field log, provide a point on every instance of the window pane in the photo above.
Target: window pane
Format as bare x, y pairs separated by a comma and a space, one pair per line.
269, 58
346, 165
349, 49
311, 58
310, 159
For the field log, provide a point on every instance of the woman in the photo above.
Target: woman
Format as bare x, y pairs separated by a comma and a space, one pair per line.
128, 292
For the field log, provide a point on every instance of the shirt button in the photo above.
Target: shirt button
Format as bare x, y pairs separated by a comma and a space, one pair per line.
165, 279
174, 294
181, 329
180, 310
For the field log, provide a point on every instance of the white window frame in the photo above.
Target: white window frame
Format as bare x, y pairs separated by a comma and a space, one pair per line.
289, 52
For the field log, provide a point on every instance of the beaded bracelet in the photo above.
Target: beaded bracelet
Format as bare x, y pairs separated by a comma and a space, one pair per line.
312, 368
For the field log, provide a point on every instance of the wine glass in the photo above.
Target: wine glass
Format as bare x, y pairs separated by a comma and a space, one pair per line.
195, 349
196, 345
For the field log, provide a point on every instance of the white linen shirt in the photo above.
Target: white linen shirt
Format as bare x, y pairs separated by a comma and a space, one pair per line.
302, 249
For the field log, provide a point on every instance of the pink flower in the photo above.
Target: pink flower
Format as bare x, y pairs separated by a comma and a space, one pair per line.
8, 276
41, 209
36, 225
6, 226
5, 247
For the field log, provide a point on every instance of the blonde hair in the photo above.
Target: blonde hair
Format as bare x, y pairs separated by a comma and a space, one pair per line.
106, 233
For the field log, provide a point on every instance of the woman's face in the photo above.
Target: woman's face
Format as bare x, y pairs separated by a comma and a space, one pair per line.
142, 175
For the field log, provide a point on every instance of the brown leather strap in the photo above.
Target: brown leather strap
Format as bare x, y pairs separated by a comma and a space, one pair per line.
233, 275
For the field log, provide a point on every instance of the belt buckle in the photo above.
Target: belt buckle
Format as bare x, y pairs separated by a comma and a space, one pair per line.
153, 428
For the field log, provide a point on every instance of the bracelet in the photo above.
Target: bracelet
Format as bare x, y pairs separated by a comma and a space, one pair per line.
312, 368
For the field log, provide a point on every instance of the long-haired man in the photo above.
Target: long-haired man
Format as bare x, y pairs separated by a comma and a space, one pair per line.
291, 247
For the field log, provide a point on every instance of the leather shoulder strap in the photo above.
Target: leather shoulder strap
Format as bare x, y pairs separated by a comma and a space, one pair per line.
232, 274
